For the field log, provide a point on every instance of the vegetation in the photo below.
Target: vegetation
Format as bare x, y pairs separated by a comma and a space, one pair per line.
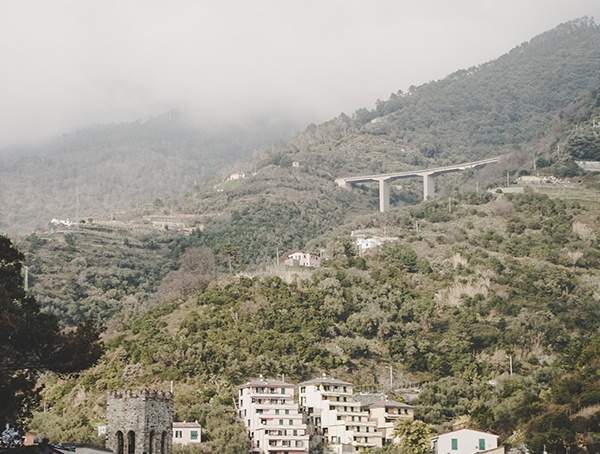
487, 300
31, 342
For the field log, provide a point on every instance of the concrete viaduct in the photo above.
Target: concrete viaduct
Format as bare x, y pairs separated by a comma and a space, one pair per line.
427, 174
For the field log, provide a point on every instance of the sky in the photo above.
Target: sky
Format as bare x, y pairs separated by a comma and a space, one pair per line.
66, 64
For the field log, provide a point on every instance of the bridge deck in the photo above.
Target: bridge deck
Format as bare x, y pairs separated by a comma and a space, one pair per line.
415, 173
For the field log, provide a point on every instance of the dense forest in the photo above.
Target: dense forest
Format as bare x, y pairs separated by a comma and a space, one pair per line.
486, 302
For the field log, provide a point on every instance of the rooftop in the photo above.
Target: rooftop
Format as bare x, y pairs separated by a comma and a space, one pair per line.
324, 380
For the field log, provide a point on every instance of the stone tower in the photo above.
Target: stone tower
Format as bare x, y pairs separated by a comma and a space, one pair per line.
139, 422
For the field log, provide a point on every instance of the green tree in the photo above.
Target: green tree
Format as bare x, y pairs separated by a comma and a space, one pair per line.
31, 341
414, 435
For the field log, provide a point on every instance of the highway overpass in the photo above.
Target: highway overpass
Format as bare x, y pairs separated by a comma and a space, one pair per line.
427, 175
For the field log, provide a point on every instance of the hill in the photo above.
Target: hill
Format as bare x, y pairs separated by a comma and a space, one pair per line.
475, 280
120, 167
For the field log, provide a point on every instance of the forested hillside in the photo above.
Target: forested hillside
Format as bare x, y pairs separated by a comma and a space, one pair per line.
500, 276
121, 167
477, 279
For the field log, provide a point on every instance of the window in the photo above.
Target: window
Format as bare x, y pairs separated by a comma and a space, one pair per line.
455, 444
287, 411
291, 422
303, 389
120, 442
163, 443
178, 434
193, 435
277, 411
131, 442
295, 432
482, 444
282, 390
259, 411
281, 422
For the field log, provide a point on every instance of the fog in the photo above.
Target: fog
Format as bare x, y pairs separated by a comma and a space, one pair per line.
68, 64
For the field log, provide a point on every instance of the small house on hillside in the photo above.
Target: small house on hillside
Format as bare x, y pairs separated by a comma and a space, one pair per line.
464, 441
303, 259
186, 433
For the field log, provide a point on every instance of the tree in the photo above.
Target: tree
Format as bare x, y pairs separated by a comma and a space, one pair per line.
31, 341
414, 435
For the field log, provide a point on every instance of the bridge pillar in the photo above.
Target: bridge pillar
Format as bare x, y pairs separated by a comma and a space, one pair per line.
428, 186
384, 195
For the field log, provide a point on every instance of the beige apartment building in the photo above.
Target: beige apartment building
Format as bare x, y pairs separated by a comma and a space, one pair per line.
271, 416
335, 418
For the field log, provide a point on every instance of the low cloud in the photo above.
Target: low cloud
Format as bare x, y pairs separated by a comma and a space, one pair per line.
68, 64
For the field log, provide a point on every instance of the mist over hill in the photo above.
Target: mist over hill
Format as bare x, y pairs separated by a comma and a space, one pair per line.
121, 167
478, 112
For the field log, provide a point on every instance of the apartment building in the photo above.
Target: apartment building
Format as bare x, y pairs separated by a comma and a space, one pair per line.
385, 413
272, 418
335, 418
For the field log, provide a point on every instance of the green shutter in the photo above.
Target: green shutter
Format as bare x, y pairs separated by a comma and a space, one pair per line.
454, 444
482, 444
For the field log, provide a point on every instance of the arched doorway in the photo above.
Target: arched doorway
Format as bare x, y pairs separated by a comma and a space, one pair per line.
131, 442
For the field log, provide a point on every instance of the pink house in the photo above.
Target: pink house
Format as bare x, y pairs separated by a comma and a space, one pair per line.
303, 259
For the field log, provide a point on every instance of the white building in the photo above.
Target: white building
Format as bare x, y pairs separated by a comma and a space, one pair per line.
336, 418
303, 259
186, 433
463, 441
385, 413
271, 417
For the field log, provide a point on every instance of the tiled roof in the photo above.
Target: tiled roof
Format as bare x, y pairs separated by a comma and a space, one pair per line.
325, 381
266, 382
389, 403
186, 425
